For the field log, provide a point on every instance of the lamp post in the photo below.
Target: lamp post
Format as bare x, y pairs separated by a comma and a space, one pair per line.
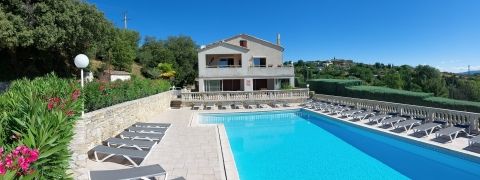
81, 61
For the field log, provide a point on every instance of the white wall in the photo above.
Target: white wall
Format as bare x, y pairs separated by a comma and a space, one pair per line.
119, 77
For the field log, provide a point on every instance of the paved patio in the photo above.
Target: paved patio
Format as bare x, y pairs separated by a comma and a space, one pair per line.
188, 152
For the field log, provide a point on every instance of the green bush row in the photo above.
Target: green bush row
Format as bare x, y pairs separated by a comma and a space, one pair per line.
332, 86
353, 88
387, 94
453, 104
41, 114
103, 94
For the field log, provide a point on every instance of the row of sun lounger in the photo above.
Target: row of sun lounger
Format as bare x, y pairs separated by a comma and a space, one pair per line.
394, 121
238, 105
134, 144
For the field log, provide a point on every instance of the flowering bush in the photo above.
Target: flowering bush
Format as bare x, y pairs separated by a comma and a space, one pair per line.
40, 114
17, 163
102, 94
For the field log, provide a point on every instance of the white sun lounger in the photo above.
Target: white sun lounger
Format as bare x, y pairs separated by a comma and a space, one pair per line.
250, 105
197, 106
225, 105
306, 103
285, 104
237, 105
408, 124
141, 136
140, 145
452, 132
128, 154
391, 121
340, 110
350, 113
276, 104
474, 140
362, 116
147, 130
427, 128
209, 106
143, 172
379, 118
152, 125
262, 105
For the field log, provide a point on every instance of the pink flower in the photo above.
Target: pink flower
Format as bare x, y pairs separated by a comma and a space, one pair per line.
69, 113
23, 164
33, 155
75, 94
8, 161
2, 168
52, 102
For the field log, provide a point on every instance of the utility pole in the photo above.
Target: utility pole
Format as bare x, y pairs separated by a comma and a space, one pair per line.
469, 70
125, 19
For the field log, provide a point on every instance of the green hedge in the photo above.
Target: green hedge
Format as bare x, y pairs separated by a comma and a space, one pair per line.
387, 94
101, 94
332, 86
453, 104
41, 114
353, 88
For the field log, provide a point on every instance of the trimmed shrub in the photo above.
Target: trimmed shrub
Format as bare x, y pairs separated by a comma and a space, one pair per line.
453, 104
40, 114
387, 94
103, 94
332, 86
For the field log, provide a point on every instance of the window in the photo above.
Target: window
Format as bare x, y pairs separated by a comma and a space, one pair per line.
213, 85
243, 43
225, 62
259, 62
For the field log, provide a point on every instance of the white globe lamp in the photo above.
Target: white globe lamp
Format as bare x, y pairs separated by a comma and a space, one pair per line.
81, 61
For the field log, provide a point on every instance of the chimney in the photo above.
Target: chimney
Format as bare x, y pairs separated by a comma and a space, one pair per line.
278, 39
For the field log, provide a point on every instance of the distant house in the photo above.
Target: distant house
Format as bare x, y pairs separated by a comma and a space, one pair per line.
243, 63
111, 75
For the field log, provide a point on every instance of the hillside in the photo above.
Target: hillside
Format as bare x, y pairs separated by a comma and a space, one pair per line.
422, 78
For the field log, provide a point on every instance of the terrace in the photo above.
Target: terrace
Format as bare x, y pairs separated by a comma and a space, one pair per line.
194, 150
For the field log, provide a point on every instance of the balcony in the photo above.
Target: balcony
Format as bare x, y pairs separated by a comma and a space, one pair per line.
264, 95
252, 71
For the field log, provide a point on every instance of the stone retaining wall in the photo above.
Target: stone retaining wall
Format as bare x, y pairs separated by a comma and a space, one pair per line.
96, 126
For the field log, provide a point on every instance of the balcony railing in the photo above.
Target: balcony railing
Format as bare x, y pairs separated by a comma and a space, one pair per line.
247, 71
263, 95
451, 117
224, 66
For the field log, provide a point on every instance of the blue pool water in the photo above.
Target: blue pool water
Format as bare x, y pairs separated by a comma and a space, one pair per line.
299, 144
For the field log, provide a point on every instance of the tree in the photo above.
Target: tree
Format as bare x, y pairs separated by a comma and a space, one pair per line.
180, 51
166, 70
37, 37
393, 80
430, 80
363, 73
123, 49
184, 50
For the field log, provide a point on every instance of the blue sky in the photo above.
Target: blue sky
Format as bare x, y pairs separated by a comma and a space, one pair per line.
441, 33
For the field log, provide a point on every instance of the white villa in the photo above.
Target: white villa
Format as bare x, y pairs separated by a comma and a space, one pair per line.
243, 63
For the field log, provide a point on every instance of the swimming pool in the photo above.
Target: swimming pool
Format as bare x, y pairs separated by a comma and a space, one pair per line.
298, 144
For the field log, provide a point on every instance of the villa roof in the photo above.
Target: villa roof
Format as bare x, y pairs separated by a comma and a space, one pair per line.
253, 38
222, 43
244, 36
